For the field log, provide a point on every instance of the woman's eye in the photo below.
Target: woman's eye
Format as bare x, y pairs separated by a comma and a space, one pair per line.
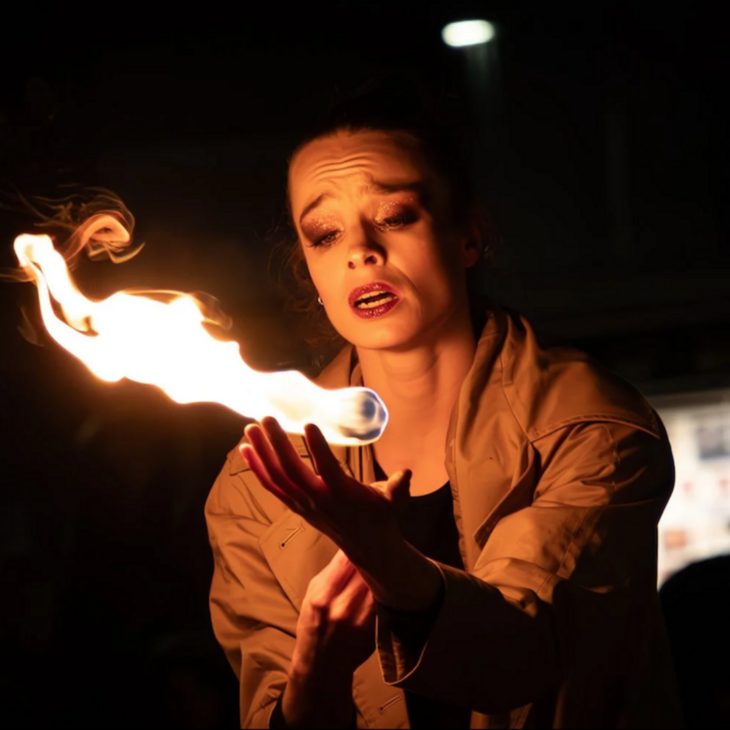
326, 239
399, 220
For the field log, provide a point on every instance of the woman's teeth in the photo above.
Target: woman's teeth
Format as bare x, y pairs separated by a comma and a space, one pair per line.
374, 300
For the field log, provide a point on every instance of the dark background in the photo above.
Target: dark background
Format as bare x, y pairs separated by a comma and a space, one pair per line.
605, 166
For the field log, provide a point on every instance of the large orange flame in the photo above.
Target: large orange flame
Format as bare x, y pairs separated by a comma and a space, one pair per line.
165, 344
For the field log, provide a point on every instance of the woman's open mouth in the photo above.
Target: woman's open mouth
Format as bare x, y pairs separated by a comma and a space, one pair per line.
373, 300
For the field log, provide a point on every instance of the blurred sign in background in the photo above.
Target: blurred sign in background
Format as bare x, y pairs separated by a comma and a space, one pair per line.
696, 522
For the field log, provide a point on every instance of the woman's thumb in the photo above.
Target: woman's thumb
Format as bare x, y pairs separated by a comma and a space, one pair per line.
398, 487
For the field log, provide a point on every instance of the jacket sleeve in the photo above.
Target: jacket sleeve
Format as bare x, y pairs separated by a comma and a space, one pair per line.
252, 618
561, 587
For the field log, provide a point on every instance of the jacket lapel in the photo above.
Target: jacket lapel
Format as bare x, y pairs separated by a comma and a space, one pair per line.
518, 495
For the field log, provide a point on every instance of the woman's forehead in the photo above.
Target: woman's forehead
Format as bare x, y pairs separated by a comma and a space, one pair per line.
357, 159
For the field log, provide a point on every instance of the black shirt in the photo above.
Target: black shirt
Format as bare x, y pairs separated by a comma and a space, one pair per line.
428, 524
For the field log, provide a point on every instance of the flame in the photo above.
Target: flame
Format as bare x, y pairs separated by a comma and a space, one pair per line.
165, 344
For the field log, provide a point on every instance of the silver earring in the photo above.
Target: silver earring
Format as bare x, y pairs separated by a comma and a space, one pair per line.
319, 299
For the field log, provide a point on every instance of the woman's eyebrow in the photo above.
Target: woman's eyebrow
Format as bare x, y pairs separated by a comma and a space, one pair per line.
383, 188
379, 188
314, 204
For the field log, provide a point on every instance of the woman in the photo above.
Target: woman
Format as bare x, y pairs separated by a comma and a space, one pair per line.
491, 560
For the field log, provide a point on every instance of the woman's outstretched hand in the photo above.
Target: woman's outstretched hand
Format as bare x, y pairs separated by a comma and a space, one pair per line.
359, 518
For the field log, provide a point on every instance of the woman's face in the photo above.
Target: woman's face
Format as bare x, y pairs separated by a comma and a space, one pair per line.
378, 239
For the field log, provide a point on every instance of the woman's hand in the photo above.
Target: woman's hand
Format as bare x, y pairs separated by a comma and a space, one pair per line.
336, 626
335, 635
359, 518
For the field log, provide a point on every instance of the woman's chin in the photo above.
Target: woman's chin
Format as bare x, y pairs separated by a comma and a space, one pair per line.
400, 329
384, 336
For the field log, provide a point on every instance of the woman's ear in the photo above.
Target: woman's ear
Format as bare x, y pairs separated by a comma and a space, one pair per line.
480, 237
473, 241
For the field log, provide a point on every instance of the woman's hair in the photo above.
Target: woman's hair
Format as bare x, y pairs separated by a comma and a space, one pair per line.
400, 104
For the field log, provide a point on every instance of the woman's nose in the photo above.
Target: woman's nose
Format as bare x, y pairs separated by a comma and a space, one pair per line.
365, 253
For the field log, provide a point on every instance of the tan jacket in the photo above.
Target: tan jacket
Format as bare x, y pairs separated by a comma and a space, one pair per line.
559, 472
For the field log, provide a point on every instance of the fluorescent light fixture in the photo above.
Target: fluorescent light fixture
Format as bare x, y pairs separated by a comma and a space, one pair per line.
467, 33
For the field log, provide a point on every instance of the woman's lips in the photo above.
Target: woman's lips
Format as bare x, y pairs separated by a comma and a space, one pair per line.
366, 303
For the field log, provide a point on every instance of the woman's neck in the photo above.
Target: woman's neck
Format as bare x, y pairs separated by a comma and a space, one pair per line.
420, 385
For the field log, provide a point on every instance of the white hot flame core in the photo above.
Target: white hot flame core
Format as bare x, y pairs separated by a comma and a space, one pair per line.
166, 345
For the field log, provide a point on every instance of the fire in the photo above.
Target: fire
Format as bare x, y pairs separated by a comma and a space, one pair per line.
165, 344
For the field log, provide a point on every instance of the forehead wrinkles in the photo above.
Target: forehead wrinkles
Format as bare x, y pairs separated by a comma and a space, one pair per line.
357, 170
354, 166
331, 165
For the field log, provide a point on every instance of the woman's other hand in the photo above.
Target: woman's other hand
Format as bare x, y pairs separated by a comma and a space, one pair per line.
335, 635
336, 627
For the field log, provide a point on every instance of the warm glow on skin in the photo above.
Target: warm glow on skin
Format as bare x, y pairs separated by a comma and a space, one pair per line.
368, 208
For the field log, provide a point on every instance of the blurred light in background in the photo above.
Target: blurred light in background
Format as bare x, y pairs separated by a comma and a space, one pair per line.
467, 33
696, 523
477, 44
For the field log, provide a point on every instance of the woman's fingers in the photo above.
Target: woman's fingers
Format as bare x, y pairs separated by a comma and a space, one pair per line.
398, 489
272, 466
356, 599
257, 467
291, 463
367, 608
331, 581
342, 571
327, 465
